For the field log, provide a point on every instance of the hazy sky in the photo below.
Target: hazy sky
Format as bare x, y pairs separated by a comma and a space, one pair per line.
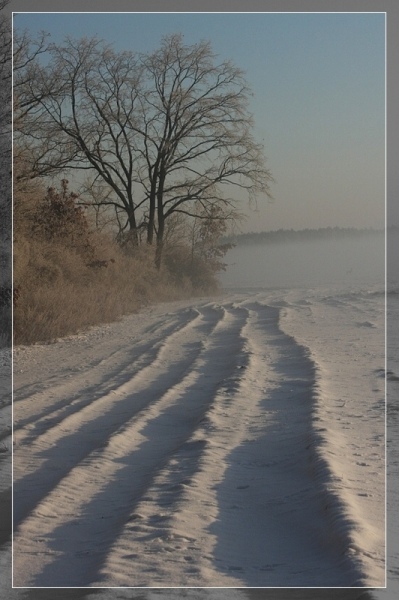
319, 99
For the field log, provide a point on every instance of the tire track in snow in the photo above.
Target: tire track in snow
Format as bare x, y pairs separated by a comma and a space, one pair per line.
102, 468
221, 441
115, 368
268, 491
79, 349
40, 464
238, 484
148, 533
344, 442
204, 594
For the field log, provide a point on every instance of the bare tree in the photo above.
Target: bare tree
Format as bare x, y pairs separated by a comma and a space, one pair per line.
5, 64
6, 289
5, 123
35, 154
206, 234
198, 142
85, 101
168, 132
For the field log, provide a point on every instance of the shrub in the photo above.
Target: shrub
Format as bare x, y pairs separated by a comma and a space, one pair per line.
70, 277
59, 219
191, 272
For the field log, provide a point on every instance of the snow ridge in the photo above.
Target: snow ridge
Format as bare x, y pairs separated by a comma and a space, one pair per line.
183, 452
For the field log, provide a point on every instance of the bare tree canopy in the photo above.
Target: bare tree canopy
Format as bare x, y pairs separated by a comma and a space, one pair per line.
5, 123
168, 132
81, 106
198, 140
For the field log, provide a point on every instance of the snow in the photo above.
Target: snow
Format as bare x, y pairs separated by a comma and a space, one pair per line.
171, 449
216, 446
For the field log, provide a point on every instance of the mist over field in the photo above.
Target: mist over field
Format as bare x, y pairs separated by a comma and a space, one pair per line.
307, 262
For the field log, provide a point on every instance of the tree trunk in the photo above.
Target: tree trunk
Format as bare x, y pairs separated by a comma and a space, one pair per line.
160, 244
161, 219
151, 219
133, 228
153, 174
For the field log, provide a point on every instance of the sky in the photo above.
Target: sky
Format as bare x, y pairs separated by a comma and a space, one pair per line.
318, 82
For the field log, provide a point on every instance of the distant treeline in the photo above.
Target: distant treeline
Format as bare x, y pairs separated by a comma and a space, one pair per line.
290, 235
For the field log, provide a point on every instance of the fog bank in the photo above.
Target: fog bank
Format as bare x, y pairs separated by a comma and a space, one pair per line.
307, 263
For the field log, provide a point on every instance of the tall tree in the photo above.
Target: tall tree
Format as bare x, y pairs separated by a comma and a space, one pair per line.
83, 104
5, 122
168, 131
198, 141
34, 155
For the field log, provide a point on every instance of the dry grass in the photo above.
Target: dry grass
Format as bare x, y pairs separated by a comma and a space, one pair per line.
61, 295
5, 282
70, 279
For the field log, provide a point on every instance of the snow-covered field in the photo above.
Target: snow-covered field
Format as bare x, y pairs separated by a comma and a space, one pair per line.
189, 446
230, 442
